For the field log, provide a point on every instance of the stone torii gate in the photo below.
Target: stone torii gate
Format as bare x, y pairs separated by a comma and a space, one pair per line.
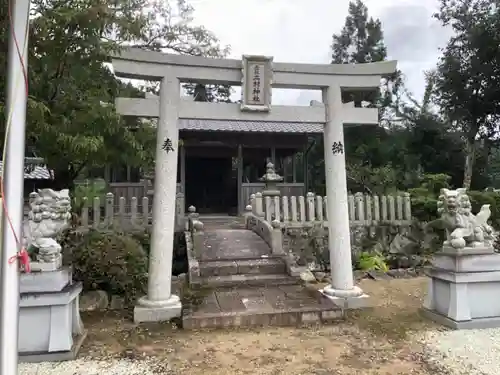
257, 75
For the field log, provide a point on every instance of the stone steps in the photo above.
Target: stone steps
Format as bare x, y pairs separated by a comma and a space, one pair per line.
248, 280
284, 305
235, 257
264, 266
290, 318
220, 222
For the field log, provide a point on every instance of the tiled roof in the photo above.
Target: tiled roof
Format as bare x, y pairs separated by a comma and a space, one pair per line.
37, 172
250, 126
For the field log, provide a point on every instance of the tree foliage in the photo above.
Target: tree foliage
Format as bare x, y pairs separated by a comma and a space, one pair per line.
420, 137
370, 150
72, 123
468, 73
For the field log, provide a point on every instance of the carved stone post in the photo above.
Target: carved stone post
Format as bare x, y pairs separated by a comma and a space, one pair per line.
160, 304
342, 289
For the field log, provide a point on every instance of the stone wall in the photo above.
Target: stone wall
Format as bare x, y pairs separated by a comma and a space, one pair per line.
309, 244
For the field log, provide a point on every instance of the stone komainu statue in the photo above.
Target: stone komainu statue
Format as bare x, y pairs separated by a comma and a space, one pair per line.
50, 214
463, 229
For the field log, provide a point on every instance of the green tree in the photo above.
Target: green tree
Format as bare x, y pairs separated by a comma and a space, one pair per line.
432, 145
468, 73
72, 123
361, 40
372, 152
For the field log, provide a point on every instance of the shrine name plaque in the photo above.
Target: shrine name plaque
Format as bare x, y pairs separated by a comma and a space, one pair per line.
256, 83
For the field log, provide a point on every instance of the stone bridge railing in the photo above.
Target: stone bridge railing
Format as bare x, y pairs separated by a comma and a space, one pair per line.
270, 232
364, 210
194, 235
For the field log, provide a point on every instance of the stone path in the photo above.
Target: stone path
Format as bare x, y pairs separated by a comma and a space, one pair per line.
280, 305
223, 244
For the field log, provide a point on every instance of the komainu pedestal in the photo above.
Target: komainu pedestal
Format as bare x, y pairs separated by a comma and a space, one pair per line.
50, 328
464, 283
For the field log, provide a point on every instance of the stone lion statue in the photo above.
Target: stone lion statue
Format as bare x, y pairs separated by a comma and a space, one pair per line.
463, 229
49, 215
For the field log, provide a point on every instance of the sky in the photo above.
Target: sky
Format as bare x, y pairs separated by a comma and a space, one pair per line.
301, 31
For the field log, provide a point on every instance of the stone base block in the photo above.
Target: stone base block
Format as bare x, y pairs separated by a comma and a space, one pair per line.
351, 303
162, 311
493, 322
47, 266
47, 281
70, 355
49, 324
347, 299
467, 260
463, 291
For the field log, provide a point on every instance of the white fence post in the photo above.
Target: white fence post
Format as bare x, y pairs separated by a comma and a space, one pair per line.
319, 208
364, 209
310, 207
293, 203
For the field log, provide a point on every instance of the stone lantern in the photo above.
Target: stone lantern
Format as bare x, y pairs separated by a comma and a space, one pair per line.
149, 178
271, 179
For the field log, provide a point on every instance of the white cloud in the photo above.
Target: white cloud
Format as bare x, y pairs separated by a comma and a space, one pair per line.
301, 31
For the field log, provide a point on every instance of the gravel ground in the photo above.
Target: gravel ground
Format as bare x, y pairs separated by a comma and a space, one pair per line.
465, 352
392, 338
92, 367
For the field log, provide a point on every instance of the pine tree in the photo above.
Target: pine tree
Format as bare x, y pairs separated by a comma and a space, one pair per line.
361, 40
368, 153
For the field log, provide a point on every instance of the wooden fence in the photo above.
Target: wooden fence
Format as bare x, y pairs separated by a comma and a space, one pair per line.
135, 212
363, 209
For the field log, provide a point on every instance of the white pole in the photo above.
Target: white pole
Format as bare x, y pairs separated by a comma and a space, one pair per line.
339, 240
13, 180
160, 304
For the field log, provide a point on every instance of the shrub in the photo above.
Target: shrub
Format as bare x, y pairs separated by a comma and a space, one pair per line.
110, 261
143, 237
478, 198
179, 261
372, 261
424, 199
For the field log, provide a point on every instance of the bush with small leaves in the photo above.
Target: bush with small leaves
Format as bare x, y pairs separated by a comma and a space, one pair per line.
111, 261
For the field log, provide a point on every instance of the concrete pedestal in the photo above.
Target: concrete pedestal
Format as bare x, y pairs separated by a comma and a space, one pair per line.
347, 299
157, 311
50, 328
463, 289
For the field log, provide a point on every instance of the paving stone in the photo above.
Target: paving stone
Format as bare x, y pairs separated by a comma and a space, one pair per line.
230, 301
218, 268
247, 280
256, 307
310, 317
234, 244
251, 292
293, 304
256, 303
261, 266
